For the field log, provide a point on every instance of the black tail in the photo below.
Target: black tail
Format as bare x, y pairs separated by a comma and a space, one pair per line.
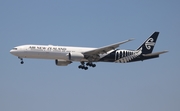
148, 45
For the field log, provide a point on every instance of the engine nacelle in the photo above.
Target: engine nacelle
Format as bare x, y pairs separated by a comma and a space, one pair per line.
60, 62
75, 56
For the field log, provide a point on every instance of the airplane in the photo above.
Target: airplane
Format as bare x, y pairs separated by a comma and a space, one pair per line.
65, 55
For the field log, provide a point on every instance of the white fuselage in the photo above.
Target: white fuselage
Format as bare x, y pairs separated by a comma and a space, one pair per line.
47, 51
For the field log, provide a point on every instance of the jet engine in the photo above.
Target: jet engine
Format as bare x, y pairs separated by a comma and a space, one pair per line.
60, 62
75, 56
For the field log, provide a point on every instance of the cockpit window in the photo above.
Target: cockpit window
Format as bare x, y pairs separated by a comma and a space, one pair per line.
14, 48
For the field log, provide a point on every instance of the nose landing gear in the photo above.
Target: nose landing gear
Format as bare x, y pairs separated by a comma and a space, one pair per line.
22, 62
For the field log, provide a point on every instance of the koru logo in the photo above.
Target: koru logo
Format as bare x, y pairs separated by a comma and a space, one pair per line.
149, 43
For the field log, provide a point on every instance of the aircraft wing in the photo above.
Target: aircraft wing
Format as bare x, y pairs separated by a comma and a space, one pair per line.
154, 54
94, 54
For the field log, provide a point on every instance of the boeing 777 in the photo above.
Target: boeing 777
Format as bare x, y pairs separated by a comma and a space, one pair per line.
64, 55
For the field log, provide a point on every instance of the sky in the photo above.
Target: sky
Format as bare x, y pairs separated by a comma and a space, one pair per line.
40, 85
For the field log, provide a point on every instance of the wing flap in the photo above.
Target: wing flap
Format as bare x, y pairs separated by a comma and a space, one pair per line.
154, 54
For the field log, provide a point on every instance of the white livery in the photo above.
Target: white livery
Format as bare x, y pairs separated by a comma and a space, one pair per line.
64, 55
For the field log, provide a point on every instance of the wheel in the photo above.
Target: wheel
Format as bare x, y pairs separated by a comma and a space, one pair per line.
80, 67
22, 62
87, 64
93, 65
85, 68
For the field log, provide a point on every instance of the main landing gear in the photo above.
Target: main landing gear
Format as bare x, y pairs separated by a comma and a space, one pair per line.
22, 62
83, 66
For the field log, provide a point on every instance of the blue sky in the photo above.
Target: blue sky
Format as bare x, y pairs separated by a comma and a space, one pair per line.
40, 85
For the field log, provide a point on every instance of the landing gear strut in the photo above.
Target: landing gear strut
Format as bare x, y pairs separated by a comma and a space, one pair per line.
82, 66
22, 62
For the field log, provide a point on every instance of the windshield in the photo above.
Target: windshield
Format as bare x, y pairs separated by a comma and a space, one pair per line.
14, 48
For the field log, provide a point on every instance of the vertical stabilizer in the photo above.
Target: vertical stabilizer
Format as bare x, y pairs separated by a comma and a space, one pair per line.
148, 45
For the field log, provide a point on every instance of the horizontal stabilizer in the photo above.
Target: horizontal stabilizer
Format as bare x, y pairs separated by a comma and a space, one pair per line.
154, 54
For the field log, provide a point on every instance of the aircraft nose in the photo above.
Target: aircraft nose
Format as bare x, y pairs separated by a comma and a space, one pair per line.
11, 51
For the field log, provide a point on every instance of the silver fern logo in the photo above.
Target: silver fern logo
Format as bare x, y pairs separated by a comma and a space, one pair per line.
130, 57
149, 43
